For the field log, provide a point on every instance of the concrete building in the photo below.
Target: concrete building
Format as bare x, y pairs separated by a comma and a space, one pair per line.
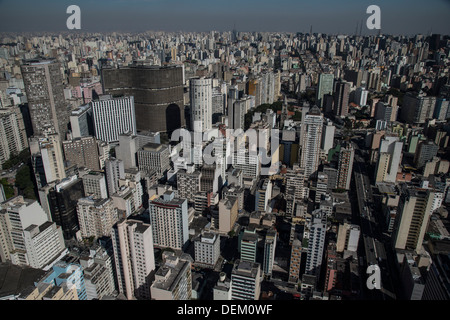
154, 157
222, 289
245, 280
324, 86
188, 183
248, 242
425, 152
416, 109
310, 141
263, 195
228, 212
348, 237
114, 170
207, 249
270, 244
390, 155
173, 280
200, 91
94, 184
345, 167
316, 242
169, 220
295, 261
81, 121
13, 139
45, 95
96, 217
134, 258
82, 152
327, 137
341, 98
67, 274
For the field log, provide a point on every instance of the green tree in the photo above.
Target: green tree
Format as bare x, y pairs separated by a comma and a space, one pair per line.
24, 182
7, 188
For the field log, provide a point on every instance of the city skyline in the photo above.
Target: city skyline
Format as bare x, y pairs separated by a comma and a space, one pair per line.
324, 16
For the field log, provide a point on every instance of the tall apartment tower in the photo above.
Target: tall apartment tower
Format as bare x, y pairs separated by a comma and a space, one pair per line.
158, 94
311, 139
390, 155
316, 242
294, 265
414, 211
45, 94
341, 98
94, 184
115, 171
26, 235
188, 183
112, 117
245, 280
134, 257
201, 104
270, 244
13, 138
82, 152
169, 220
96, 217
324, 86
345, 167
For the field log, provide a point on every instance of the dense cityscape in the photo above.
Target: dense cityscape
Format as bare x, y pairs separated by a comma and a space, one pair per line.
224, 165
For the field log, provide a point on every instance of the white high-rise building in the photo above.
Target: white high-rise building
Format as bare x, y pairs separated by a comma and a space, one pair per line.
96, 217
311, 139
201, 104
114, 169
134, 257
113, 116
207, 249
327, 137
316, 242
361, 95
169, 220
390, 156
13, 138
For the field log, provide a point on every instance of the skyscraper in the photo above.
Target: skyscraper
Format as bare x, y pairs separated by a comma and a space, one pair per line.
96, 217
201, 104
341, 98
13, 137
157, 91
390, 155
114, 171
316, 242
324, 86
310, 144
134, 257
113, 116
45, 94
270, 244
345, 167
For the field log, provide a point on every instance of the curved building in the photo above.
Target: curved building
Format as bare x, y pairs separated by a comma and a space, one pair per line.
158, 94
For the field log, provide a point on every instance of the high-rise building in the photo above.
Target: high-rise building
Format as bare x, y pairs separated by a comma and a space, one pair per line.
81, 121
294, 265
45, 95
169, 220
361, 95
348, 237
341, 98
173, 280
327, 137
228, 212
157, 91
188, 183
316, 242
345, 167
207, 249
114, 171
425, 152
113, 116
245, 280
96, 217
414, 210
94, 184
13, 138
270, 244
82, 152
324, 86
236, 114
390, 155
311, 139
26, 235
127, 150
248, 242
154, 157
263, 195
416, 109
201, 104
134, 258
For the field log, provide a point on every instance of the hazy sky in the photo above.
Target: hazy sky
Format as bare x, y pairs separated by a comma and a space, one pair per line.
327, 16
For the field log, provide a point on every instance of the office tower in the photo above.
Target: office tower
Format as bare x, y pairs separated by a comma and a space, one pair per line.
348, 237
324, 86
270, 244
416, 109
13, 139
201, 103
294, 265
62, 201
207, 249
263, 195
127, 150
425, 152
69, 275
96, 217
361, 95
236, 115
157, 91
98, 273
414, 211
341, 98
94, 184
245, 280
113, 116
173, 280
345, 167
154, 157
82, 152
45, 94
228, 213
248, 242
390, 155
114, 170
188, 183
310, 143
47, 159
316, 242
169, 220
26, 236
134, 257
321, 187
218, 105
81, 121
327, 137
